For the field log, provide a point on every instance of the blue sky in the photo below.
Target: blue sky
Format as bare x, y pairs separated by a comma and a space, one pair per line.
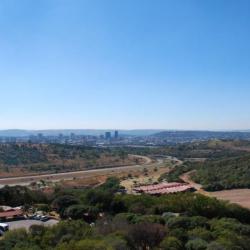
125, 64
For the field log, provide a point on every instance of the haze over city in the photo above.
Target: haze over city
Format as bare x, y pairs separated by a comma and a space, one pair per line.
125, 64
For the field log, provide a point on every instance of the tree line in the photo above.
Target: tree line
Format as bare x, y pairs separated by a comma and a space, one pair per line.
106, 218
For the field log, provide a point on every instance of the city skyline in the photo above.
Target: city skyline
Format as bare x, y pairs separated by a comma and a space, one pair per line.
125, 65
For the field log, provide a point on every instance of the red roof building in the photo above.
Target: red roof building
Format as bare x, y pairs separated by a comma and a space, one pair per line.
12, 213
163, 188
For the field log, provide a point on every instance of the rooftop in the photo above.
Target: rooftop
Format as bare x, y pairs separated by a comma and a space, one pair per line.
11, 213
163, 188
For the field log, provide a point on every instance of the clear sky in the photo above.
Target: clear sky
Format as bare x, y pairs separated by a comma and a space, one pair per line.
167, 64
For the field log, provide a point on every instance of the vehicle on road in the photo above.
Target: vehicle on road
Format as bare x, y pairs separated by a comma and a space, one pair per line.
40, 217
3, 228
44, 218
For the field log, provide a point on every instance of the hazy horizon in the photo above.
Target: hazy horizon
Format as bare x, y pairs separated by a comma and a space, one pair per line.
122, 132
122, 129
125, 64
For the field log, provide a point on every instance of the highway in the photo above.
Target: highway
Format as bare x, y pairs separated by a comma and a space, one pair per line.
26, 180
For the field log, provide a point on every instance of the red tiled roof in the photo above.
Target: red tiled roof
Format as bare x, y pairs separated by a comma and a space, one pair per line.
164, 188
11, 213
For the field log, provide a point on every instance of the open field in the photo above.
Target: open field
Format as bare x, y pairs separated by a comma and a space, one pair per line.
238, 196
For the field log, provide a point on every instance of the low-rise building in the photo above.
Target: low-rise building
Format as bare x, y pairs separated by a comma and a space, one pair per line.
7, 213
164, 188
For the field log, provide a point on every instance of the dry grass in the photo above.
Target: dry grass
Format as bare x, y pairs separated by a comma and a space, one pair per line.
238, 196
68, 165
152, 176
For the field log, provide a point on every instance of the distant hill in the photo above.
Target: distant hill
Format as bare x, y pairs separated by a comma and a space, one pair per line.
202, 135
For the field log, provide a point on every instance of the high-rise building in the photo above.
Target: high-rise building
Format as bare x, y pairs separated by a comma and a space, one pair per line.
108, 135
40, 136
116, 134
72, 136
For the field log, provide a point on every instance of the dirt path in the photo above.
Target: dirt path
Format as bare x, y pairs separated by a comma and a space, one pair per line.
186, 177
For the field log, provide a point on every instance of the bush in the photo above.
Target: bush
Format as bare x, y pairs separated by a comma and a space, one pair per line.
171, 243
196, 244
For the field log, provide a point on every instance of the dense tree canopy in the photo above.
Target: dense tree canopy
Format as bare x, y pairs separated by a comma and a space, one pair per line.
102, 219
225, 173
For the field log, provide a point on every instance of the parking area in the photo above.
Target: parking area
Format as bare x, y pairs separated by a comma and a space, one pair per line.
29, 222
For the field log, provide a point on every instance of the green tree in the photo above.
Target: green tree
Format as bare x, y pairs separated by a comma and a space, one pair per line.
196, 244
171, 243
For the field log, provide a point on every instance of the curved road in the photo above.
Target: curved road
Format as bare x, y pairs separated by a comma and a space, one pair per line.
26, 180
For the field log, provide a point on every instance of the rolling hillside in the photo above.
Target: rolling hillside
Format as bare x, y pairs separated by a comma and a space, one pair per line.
19, 159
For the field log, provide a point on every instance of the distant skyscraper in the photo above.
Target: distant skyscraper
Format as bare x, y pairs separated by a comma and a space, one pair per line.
72, 136
40, 135
108, 135
116, 134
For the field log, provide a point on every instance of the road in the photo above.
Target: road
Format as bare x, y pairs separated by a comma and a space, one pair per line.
26, 180
28, 223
